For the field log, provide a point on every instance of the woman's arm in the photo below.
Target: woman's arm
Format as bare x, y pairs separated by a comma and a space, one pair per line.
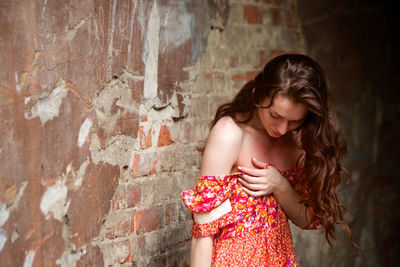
260, 182
289, 200
220, 154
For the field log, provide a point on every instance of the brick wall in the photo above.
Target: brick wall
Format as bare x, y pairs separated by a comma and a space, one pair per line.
105, 106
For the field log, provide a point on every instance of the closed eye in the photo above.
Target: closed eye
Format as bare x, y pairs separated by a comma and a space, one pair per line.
274, 116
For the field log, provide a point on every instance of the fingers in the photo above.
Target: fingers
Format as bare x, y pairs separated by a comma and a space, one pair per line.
257, 163
250, 179
251, 186
253, 193
253, 172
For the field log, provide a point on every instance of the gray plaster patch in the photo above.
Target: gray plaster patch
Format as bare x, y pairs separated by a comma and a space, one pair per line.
80, 173
3, 214
177, 22
3, 239
21, 190
117, 151
14, 235
29, 258
151, 54
48, 104
54, 200
84, 131
69, 258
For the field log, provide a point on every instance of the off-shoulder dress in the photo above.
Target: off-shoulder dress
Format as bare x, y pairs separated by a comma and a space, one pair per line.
247, 231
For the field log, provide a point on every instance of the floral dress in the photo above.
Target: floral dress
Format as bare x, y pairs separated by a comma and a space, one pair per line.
247, 231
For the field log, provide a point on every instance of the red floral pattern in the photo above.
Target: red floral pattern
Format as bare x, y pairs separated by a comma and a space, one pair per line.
254, 233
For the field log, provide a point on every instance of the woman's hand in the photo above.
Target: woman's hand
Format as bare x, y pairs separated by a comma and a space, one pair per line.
260, 182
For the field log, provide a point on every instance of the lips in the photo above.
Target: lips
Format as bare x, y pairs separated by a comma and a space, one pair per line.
276, 134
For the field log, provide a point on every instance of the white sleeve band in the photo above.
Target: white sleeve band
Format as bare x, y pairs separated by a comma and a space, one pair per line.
218, 212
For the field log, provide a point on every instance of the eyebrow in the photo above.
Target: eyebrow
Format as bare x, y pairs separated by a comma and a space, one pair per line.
279, 115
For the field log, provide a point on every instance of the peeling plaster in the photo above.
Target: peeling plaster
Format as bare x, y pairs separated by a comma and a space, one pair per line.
69, 258
47, 107
115, 89
3, 239
80, 173
14, 235
109, 59
116, 151
54, 200
44, 9
84, 131
151, 54
17, 87
177, 23
29, 258
17, 196
3, 214
72, 32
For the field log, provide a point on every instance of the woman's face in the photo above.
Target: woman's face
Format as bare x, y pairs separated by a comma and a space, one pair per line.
282, 116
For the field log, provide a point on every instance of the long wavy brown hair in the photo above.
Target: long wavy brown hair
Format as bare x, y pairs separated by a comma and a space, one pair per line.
301, 79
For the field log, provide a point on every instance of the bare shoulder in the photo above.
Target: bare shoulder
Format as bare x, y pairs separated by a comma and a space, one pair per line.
222, 147
227, 130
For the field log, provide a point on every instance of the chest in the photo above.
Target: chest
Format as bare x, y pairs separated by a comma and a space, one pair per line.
282, 155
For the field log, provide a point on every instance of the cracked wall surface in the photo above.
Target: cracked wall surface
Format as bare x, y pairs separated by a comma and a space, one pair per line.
81, 83
104, 109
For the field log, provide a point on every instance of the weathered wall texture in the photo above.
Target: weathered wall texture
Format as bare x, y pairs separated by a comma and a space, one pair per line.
106, 104
89, 91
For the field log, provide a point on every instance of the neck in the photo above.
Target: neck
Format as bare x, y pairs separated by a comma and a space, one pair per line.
255, 122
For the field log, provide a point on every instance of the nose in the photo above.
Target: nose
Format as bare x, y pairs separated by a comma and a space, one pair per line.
283, 128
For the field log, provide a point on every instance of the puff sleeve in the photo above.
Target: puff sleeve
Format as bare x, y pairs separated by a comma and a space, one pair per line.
209, 203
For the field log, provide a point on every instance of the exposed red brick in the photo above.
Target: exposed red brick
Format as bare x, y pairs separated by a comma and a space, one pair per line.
133, 224
164, 138
154, 168
276, 15
114, 107
167, 217
127, 259
246, 77
135, 166
133, 194
119, 198
214, 75
120, 229
252, 14
290, 21
127, 123
169, 213
145, 139
147, 220
143, 118
274, 2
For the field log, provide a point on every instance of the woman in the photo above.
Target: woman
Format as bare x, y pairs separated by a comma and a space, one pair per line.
273, 154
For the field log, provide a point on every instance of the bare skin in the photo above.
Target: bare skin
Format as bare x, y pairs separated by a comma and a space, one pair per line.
267, 138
